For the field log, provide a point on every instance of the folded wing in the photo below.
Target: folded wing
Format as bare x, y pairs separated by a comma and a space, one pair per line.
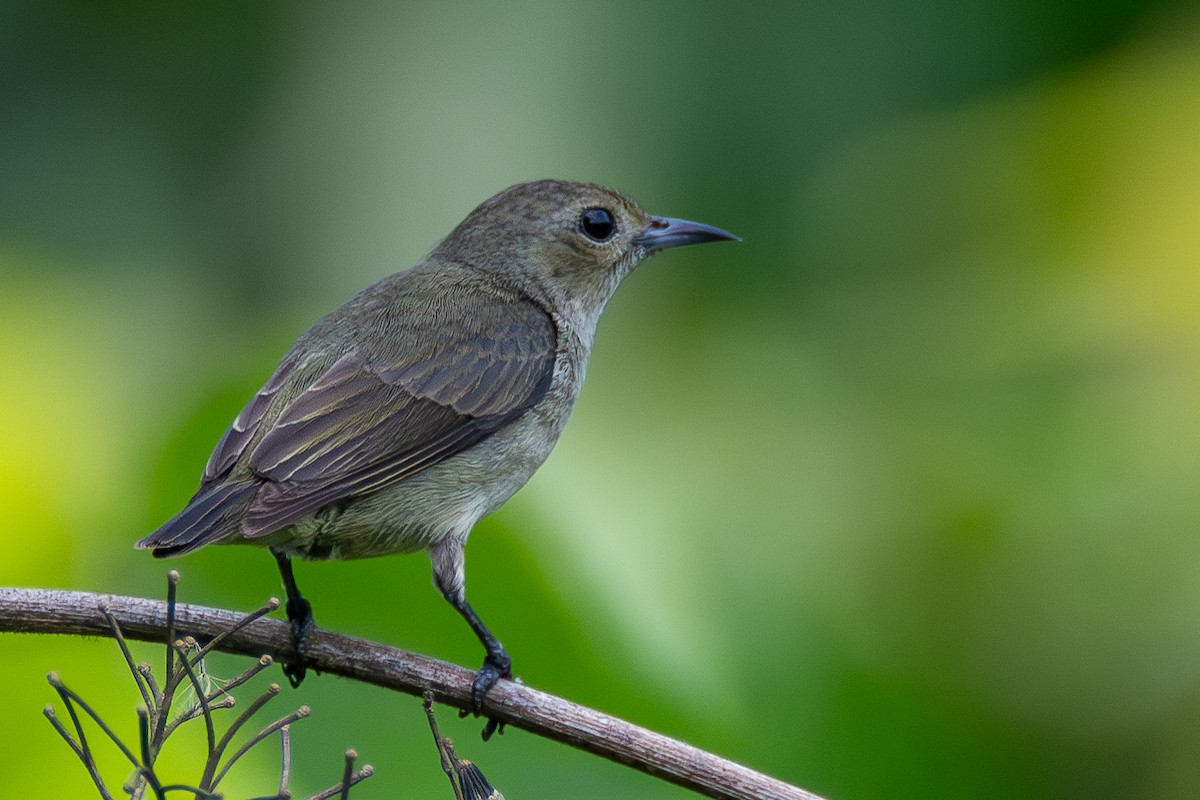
371, 418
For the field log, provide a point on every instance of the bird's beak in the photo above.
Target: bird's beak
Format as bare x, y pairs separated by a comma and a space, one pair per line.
664, 232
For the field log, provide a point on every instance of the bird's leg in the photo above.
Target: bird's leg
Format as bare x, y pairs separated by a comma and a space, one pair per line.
496, 664
447, 560
299, 614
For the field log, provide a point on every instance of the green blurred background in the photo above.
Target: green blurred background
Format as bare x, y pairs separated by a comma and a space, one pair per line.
897, 498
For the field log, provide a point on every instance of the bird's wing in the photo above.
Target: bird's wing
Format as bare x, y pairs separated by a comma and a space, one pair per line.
366, 422
237, 437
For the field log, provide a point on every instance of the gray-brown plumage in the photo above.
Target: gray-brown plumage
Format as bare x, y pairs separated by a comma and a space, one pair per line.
427, 400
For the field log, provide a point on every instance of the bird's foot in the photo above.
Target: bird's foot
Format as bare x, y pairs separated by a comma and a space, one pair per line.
497, 665
299, 613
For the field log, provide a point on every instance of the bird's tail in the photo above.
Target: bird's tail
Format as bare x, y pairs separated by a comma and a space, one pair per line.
211, 516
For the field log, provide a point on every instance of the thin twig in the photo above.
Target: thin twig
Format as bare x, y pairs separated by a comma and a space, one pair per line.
144, 771
214, 756
171, 677
215, 642
201, 696
364, 773
70, 700
348, 773
195, 711
448, 765
300, 713
138, 677
238, 680
55, 611
172, 587
147, 673
62, 731
285, 760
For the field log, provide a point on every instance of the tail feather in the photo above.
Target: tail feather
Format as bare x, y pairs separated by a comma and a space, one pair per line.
210, 516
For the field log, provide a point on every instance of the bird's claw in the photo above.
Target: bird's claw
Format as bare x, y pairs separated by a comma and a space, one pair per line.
296, 673
300, 617
494, 668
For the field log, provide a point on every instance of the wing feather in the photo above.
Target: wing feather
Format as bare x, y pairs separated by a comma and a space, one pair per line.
238, 436
362, 424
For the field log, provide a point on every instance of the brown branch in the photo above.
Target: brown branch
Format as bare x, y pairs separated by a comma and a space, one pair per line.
56, 611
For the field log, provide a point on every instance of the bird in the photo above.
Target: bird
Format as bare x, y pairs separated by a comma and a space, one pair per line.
422, 404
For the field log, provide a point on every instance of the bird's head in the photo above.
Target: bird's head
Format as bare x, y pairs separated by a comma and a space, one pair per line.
569, 243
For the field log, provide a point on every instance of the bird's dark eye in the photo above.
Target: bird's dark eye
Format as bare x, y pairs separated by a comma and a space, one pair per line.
597, 224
